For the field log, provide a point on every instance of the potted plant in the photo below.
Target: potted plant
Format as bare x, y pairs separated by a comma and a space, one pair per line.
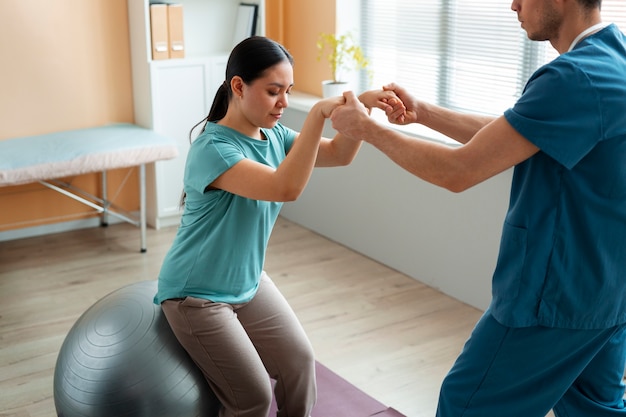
343, 56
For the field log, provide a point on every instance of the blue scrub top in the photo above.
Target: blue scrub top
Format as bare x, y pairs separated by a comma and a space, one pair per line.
562, 260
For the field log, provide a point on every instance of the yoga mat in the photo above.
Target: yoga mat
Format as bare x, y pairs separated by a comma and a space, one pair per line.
336, 397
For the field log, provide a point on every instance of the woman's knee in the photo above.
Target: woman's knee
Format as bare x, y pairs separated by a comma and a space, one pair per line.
300, 359
248, 400
257, 402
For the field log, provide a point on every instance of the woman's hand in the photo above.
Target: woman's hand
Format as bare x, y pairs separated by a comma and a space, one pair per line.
387, 101
327, 105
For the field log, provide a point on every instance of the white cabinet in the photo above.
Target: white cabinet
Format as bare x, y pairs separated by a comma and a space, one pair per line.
171, 96
181, 94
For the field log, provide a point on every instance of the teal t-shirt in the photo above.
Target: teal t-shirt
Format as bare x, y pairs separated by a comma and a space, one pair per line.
218, 252
562, 260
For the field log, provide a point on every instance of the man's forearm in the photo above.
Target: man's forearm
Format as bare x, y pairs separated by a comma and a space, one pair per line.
430, 161
458, 126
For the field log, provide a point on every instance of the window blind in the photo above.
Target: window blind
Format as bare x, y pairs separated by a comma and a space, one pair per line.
465, 55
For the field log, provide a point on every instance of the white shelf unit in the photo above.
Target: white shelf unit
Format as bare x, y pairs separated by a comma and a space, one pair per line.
170, 96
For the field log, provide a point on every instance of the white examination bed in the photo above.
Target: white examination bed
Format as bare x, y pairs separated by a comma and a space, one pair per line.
46, 158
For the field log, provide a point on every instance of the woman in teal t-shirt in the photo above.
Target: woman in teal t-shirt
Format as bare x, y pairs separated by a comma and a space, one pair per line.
224, 309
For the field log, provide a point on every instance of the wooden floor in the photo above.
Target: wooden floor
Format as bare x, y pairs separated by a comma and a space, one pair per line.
388, 334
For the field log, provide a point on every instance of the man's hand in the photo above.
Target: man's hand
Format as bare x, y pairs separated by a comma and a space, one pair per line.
406, 114
352, 118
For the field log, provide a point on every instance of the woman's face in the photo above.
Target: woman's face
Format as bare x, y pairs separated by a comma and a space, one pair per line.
263, 100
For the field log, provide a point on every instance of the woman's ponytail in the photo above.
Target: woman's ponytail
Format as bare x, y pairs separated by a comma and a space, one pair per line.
220, 102
218, 108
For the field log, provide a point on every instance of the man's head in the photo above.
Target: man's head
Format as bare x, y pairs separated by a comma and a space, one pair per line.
557, 21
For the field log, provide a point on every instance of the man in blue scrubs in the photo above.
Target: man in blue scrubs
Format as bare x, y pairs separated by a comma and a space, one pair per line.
554, 336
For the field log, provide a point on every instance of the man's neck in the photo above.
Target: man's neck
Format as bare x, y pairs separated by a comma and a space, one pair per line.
575, 26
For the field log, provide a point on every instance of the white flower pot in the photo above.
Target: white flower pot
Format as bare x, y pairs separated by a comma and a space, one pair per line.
332, 88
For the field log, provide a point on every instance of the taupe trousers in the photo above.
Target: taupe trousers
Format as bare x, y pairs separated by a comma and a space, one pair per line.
237, 346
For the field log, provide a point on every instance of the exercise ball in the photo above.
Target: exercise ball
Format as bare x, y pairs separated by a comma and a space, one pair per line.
122, 359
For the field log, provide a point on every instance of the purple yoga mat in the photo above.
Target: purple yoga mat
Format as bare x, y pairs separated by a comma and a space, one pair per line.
336, 397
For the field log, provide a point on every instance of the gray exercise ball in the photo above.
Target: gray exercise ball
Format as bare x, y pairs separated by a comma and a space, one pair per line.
121, 359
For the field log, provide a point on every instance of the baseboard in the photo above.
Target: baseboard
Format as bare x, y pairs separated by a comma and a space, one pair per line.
60, 227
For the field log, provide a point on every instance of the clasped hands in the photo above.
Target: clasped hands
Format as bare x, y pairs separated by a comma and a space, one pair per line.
352, 118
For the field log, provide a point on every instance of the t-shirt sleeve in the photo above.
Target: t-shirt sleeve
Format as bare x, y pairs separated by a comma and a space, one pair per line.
559, 113
287, 135
208, 159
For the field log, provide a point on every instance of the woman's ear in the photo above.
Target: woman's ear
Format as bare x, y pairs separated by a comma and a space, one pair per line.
236, 85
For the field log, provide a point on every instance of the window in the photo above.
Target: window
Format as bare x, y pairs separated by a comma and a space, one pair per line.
465, 55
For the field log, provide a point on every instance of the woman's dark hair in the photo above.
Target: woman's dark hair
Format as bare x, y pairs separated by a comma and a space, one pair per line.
249, 60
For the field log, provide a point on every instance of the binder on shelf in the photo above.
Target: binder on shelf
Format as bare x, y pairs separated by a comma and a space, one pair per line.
245, 24
175, 30
158, 31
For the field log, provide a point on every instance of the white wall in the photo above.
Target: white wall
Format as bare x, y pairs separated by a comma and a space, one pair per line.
448, 241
